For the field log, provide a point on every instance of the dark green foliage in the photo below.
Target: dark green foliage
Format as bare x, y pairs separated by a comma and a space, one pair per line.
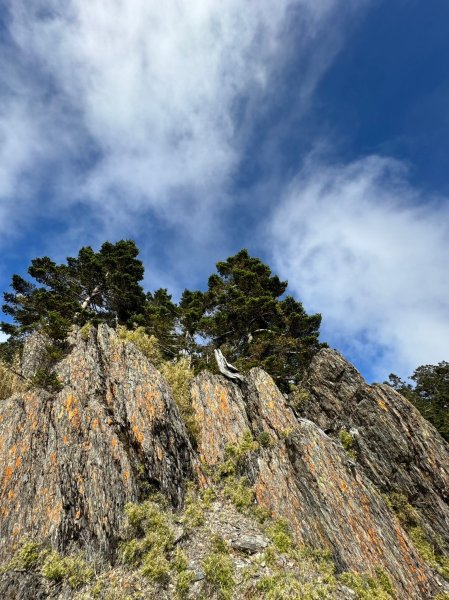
430, 394
243, 314
160, 318
95, 286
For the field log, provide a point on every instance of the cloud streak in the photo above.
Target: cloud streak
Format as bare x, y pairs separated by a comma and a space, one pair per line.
136, 106
361, 245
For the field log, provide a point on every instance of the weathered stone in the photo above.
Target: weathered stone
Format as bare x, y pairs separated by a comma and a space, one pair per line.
34, 354
249, 544
307, 478
398, 449
70, 461
220, 413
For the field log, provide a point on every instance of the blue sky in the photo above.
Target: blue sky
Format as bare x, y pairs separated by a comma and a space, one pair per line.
313, 132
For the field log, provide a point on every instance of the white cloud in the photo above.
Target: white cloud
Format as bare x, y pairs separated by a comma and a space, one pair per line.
154, 89
360, 245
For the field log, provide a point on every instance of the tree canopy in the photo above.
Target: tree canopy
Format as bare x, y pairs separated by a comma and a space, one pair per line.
429, 393
99, 286
244, 311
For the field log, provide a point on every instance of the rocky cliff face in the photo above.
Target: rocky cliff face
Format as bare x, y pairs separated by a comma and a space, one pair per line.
398, 450
71, 460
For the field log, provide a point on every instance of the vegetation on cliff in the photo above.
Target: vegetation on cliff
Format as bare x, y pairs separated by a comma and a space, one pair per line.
140, 472
243, 312
429, 393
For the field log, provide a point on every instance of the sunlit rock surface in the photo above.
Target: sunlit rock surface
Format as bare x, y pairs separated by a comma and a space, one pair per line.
307, 477
70, 461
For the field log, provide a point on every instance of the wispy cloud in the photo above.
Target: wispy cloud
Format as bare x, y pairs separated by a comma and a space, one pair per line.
361, 245
132, 105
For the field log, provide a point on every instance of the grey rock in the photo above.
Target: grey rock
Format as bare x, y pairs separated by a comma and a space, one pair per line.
249, 544
396, 447
70, 461
306, 478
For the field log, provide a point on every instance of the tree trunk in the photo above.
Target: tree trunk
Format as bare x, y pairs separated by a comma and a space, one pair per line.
226, 368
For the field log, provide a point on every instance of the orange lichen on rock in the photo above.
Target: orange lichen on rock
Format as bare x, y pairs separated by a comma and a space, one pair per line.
7, 476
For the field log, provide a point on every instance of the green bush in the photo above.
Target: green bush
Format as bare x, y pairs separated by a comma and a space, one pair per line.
236, 453
239, 492
428, 549
179, 376
347, 441
194, 508
147, 344
279, 533
47, 380
72, 569
430, 553
25, 557
368, 587
151, 536
219, 569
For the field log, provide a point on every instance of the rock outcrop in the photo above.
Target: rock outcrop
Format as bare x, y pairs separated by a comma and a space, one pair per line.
306, 477
398, 450
71, 460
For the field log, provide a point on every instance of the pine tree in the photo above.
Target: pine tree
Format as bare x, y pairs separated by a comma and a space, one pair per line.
242, 313
99, 286
160, 319
430, 393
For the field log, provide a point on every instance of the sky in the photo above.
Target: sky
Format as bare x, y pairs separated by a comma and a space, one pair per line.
312, 132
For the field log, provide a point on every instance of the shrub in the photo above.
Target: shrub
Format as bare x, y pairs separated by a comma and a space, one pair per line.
265, 440
153, 537
85, 330
347, 441
72, 569
368, 587
299, 398
286, 586
47, 380
279, 533
407, 514
428, 549
183, 582
235, 453
219, 569
430, 553
155, 565
25, 557
194, 509
239, 492
147, 344
179, 376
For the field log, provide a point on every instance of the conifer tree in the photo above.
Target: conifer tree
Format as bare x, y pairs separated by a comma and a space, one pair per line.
430, 393
160, 319
243, 314
99, 286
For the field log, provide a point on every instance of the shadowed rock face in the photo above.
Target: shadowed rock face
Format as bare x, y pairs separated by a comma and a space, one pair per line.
70, 461
307, 477
398, 449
